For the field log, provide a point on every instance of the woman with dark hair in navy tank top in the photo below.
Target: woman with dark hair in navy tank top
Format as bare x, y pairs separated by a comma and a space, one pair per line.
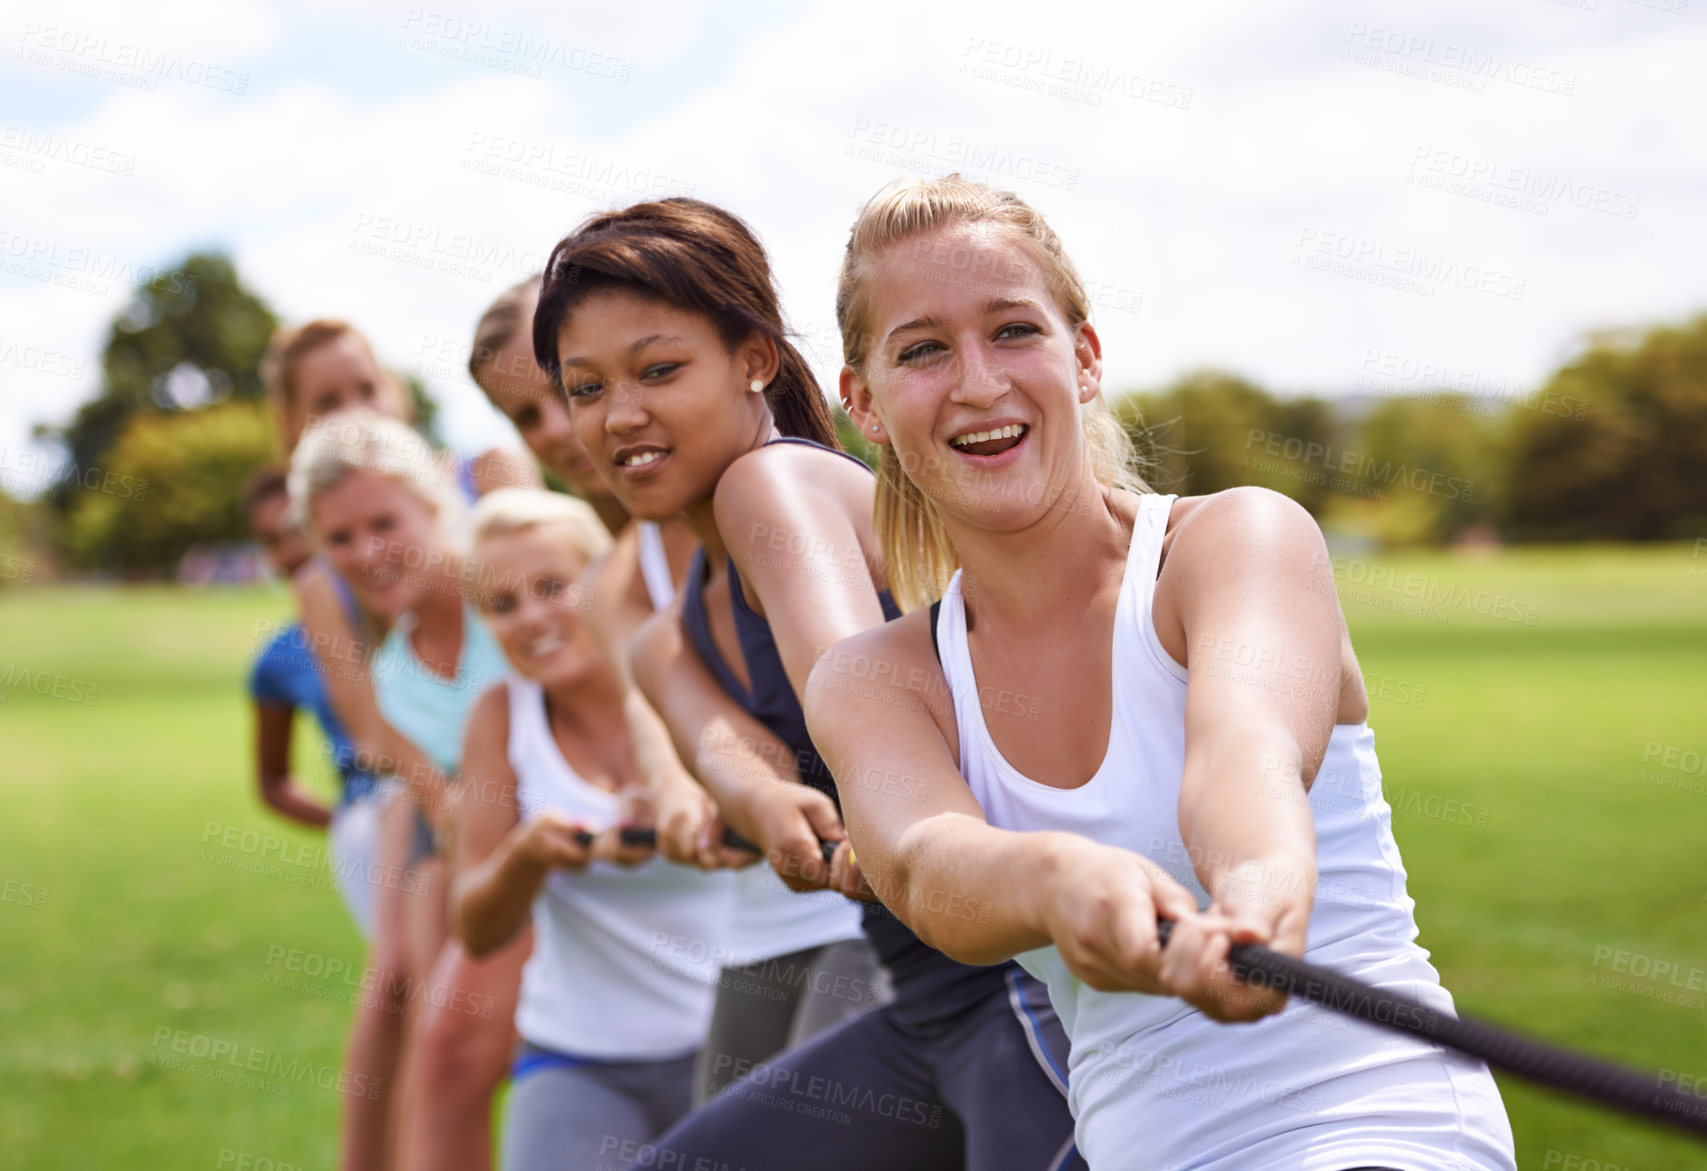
661, 325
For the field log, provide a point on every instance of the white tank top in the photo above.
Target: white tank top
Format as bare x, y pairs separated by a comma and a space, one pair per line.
770, 920
625, 962
655, 565
1152, 1079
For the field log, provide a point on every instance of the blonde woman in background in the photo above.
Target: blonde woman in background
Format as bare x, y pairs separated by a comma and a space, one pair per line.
311, 372
392, 523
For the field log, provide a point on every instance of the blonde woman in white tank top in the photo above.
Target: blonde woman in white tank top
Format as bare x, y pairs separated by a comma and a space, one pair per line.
617, 995
1125, 706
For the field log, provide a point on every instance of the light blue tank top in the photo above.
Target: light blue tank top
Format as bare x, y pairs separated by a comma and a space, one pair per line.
430, 710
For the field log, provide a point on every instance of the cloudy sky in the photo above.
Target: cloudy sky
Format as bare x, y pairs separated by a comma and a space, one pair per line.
1328, 197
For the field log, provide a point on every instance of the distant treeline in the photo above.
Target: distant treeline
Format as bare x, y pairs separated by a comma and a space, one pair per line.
1613, 446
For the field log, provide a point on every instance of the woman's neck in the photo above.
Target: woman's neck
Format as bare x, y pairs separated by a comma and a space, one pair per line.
610, 512
590, 706
438, 611
701, 516
1004, 574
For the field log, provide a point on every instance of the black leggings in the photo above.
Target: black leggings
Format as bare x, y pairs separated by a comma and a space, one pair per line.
979, 1091
766, 1007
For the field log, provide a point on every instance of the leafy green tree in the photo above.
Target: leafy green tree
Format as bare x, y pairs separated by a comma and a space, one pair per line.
426, 408
190, 336
190, 340
1211, 430
1614, 446
171, 481
1431, 465
19, 561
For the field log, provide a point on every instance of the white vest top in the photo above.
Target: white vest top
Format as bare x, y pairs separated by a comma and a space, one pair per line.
1152, 1081
625, 962
770, 920
655, 565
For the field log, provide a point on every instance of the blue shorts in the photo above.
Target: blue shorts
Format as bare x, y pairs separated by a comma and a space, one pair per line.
984, 1089
574, 1114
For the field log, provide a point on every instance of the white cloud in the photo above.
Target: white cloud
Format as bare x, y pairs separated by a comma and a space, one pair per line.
1192, 212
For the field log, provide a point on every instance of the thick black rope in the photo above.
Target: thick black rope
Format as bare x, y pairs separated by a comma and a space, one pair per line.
635, 836
1644, 1094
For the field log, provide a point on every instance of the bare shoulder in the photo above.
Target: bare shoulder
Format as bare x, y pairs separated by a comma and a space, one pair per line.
783, 473
1250, 510
894, 665
318, 601
657, 636
1225, 551
491, 711
313, 580
502, 468
610, 580
1248, 523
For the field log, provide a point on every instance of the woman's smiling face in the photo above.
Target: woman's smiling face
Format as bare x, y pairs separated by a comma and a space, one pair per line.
340, 375
661, 405
532, 607
976, 376
523, 392
381, 538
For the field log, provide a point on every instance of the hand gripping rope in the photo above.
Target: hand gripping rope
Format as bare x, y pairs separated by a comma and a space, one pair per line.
1644, 1094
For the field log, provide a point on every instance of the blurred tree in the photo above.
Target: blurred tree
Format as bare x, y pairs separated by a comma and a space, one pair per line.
852, 441
170, 482
18, 554
1212, 430
190, 337
425, 406
1614, 446
1431, 465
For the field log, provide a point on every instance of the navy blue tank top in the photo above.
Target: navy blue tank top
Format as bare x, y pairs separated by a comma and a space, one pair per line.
928, 985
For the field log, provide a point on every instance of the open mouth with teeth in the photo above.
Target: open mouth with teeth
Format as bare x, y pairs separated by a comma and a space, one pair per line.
992, 442
545, 645
633, 461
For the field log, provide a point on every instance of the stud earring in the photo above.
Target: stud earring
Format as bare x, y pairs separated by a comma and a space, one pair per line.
756, 386
874, 428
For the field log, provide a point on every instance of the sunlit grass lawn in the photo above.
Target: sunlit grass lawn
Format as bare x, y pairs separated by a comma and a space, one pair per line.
120, 938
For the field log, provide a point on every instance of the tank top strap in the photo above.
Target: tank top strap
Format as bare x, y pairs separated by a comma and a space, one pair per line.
954, 653
528, 733
697, 625
655, 565
803, 442
527, 713
465, 481
1135, 624
346, 600
544, 777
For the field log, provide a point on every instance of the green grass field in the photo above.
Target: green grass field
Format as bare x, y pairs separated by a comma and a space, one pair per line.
1512, 714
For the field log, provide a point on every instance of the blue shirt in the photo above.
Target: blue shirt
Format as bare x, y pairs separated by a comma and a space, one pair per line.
287, 675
